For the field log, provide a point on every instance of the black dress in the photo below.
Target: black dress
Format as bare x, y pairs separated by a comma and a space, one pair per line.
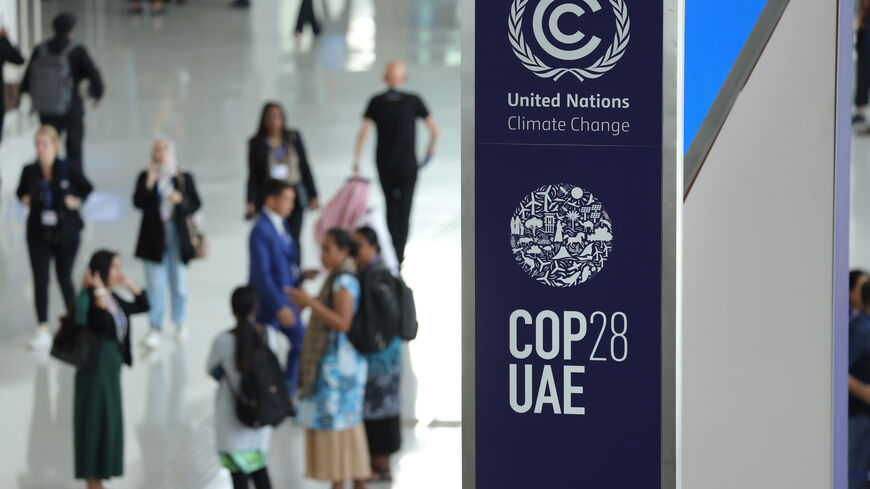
258, 174
97, 411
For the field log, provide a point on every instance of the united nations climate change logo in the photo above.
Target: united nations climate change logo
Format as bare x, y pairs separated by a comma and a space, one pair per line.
569, 36
561, 235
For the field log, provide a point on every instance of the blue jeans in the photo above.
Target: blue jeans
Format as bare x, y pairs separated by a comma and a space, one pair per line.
170, 272
859, 450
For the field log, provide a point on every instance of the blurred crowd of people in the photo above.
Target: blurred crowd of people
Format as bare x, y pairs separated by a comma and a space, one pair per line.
341, 376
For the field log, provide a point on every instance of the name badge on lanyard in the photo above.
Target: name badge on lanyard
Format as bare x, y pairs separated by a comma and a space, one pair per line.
49, 218
280, 171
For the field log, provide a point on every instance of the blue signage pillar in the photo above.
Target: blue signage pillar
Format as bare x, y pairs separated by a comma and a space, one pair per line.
571, 216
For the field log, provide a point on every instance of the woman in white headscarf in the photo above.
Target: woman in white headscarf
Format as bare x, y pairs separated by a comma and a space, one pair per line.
168, 198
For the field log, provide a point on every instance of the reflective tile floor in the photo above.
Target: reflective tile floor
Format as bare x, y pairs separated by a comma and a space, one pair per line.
200, 74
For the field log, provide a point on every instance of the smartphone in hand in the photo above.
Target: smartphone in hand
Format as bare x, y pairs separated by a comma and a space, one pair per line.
310, 274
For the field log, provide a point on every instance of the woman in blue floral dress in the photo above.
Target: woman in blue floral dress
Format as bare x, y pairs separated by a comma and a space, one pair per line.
332, 374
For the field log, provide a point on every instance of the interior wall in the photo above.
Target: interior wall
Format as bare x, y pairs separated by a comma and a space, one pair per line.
9, 17
758, 281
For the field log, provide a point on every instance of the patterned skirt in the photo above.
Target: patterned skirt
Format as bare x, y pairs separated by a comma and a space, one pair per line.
381, 412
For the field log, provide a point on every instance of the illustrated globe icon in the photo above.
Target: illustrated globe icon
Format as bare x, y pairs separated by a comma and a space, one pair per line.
561, 235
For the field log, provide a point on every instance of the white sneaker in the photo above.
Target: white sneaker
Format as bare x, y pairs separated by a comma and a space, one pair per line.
181, 332
152, 339
41, 340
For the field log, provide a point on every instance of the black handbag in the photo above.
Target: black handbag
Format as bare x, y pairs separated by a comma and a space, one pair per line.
75, 345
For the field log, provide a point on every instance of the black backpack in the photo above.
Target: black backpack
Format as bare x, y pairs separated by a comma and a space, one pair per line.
263, 398
51, 81
407, 311
376, 322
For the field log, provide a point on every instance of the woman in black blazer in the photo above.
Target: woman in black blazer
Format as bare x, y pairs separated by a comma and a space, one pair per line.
54, 191
277, 152
168, 198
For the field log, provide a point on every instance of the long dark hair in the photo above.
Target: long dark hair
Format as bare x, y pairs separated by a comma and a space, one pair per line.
343, 241
262, 131
370, 236
101, 263
246, 302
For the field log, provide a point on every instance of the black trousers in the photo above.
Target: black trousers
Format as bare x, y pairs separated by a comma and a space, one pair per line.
384, 435
41, 253
295, 223
862, 71
74, 127
260, 479
398, 183
306, 16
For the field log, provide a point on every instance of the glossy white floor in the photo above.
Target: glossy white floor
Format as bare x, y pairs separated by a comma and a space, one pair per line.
200, 75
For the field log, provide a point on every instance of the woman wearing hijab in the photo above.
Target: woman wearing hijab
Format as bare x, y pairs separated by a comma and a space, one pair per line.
54, 191
332, 374
168, 198
277, 153
97, 411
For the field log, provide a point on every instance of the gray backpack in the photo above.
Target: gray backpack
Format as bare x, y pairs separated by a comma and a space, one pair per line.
51, 81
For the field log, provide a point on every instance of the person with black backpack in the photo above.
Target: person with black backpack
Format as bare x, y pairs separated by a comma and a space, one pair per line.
375, 334
52, 79
253, 395
54, 191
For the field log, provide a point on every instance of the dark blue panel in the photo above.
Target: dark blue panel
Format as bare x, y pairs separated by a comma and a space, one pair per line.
715, 34
568, 199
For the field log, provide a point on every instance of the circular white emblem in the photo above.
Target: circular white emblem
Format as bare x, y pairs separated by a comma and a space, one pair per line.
561, 235
546, 23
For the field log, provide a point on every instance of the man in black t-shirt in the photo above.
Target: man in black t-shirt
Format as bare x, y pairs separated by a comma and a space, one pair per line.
395, 114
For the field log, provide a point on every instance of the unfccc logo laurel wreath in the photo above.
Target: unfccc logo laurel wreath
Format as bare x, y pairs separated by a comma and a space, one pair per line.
545, 23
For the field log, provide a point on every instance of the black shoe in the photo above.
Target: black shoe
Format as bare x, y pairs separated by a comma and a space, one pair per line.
240, 4
857, 119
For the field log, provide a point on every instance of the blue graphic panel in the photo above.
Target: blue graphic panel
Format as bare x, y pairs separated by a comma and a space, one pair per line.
568, 243
715, 34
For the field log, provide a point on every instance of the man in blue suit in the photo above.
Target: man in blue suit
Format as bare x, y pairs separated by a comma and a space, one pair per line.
274, 266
